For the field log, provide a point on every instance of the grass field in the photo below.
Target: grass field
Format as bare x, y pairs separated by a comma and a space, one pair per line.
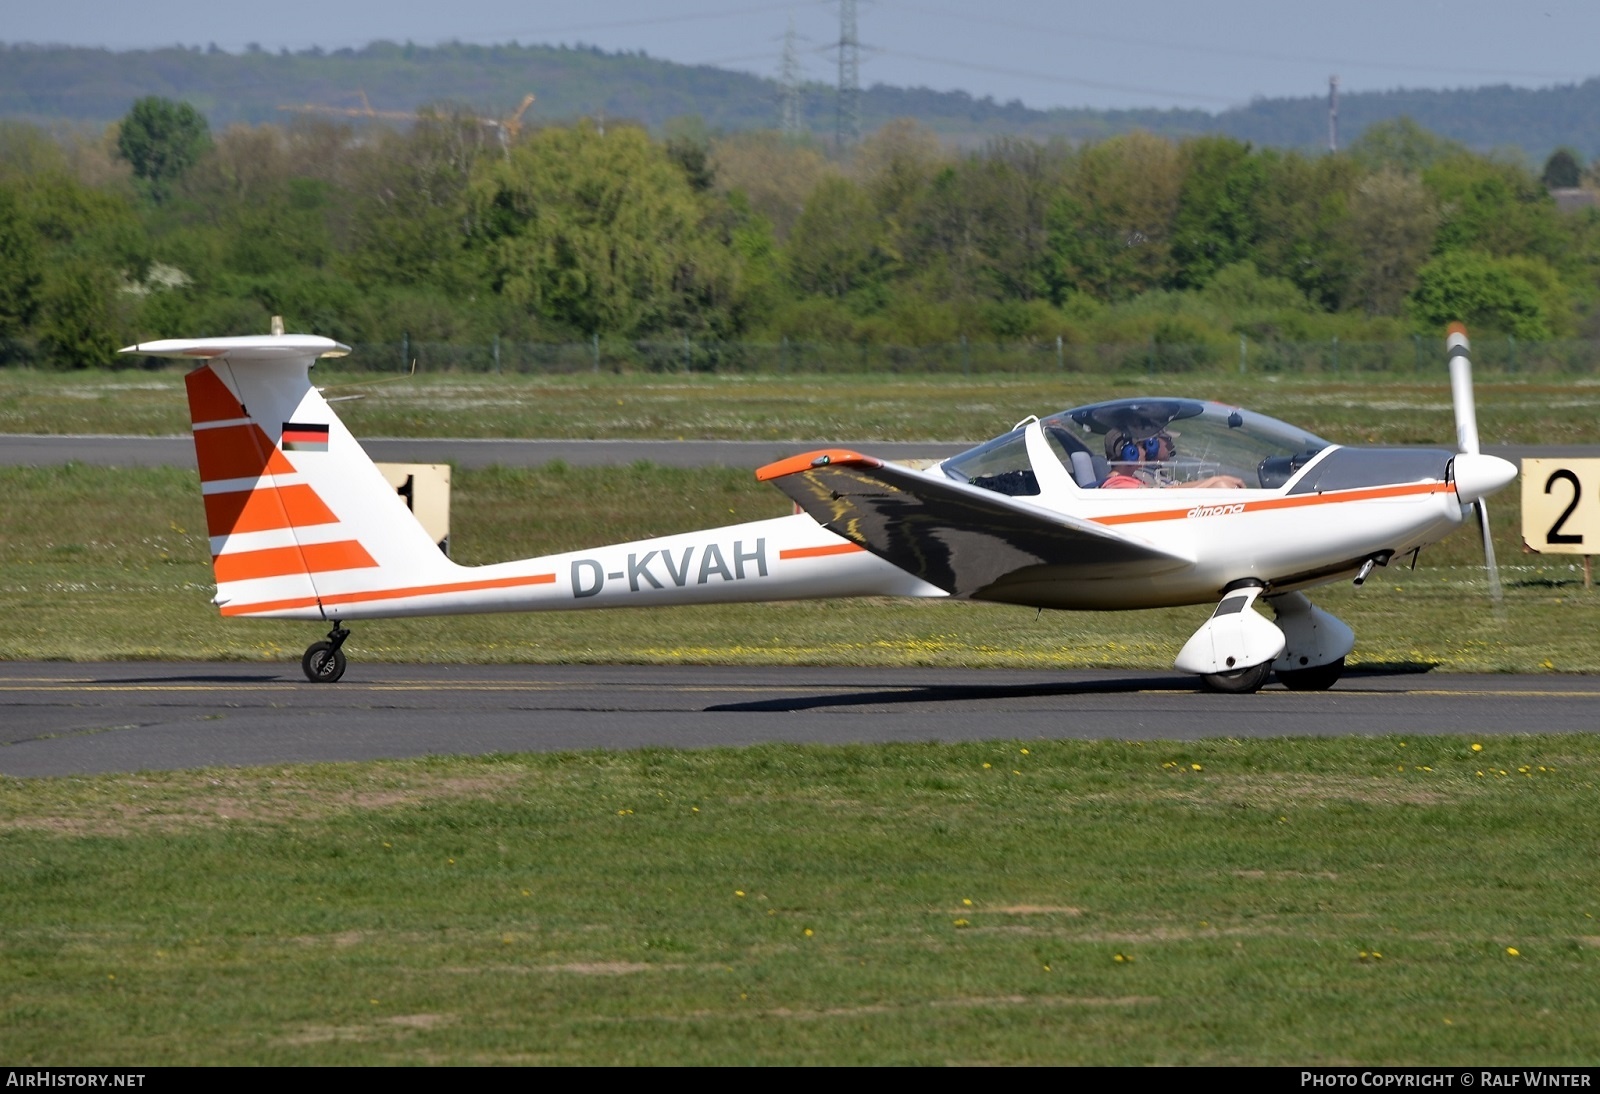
848, 409
1375, 900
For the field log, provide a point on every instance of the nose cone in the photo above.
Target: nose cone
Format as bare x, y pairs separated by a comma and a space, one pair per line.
1477, 476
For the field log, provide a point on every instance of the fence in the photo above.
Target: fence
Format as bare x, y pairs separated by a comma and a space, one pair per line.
1415, 356
1333, 358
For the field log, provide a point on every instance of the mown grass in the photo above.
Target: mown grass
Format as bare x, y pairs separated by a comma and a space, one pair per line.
1328, 901
1398, 409
102, 563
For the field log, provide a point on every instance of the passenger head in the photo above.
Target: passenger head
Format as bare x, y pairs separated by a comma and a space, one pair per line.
1122, 447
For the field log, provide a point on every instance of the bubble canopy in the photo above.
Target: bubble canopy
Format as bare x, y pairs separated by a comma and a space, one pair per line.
1166, 441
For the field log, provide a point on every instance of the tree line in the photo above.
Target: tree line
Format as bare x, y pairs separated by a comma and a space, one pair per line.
452, 230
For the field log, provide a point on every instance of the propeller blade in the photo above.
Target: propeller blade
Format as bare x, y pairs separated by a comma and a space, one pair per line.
1461, 388
1488, 552
1466, 408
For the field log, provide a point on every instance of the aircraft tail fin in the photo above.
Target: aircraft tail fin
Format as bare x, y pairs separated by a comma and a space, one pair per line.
301, 521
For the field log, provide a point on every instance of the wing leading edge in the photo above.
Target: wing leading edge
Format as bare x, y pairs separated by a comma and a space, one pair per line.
968, 541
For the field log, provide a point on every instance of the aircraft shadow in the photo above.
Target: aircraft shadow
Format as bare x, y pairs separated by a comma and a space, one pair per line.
271, 678
961, 693
964, 693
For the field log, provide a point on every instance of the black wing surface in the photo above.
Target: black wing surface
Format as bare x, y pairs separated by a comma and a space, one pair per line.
963, 539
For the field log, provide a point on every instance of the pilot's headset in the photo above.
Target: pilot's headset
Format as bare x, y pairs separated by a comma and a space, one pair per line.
1124, 449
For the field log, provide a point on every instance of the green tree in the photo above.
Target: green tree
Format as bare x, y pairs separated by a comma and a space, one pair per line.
1517, 296
76, 317
162, 139
1109, 232
1391, 229
1304, 215
1218, 219
1493, 206
602, 233
839, 247
1563, 170
21, 270
408, 223
1404, 145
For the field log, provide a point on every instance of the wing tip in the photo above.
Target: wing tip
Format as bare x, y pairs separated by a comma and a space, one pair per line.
806, 461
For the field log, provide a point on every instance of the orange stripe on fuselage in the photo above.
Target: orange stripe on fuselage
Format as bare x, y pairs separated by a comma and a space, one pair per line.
388, 594
818, 552
258, 510
1294, 502
312, 558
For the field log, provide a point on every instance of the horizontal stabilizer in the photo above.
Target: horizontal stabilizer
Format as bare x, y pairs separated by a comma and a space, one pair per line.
249, 347
961, 538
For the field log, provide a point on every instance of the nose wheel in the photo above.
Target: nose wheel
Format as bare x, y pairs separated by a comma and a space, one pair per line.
1244, 682
324, 661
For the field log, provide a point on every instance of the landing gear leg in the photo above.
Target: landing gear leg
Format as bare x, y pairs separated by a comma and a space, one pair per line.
324, 661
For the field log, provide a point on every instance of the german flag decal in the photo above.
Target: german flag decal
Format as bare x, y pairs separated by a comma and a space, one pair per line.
300, 437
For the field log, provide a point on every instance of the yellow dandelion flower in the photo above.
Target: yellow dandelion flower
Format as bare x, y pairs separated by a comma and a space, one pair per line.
1197, 767
967, 901
986, 767
1512, 951
808, 932
962, 923
1025, 752
1476, 747
738, 893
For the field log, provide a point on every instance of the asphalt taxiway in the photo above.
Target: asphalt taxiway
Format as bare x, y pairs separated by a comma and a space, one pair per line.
66, 719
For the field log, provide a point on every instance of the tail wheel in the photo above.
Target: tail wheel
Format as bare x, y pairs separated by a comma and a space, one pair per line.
1315, 678
1243, 682
323, 663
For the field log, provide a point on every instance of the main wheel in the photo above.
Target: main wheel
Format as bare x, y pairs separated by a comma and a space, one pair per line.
1243, 682
322, 663
1315, 678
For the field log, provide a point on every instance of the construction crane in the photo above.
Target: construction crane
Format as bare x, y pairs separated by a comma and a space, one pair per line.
365, 110
507, 127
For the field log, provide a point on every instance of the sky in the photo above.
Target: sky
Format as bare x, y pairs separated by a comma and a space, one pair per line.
1201, 54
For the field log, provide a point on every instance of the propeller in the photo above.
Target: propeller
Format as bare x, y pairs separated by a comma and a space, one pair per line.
1466, 467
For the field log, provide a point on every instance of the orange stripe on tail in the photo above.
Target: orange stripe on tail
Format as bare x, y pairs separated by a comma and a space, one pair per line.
237, 452
265, 509
313, 558
209, 398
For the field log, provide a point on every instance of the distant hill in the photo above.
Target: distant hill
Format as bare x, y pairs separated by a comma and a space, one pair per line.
51, 85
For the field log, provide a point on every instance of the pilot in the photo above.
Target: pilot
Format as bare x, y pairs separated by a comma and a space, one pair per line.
1142, 462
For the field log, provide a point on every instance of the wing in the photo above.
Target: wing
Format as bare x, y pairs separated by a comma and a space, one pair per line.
964, 539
